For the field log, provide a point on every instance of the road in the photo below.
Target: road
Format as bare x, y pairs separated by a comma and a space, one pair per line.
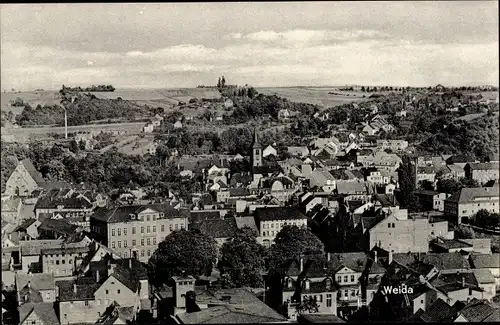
131, 127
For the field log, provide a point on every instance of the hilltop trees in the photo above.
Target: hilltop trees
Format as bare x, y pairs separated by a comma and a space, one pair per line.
242, 259
182, 252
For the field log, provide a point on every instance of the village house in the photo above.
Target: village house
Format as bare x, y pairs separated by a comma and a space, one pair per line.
394, 145
402, 235
269, 150
38, 314
270, 220
487, 262
35, 288
432, 200
298, 151
148, 128
72, 209
11, 209
468, 201
135, 231
24, 180
284, 115
426, 174
482, 172
178, 125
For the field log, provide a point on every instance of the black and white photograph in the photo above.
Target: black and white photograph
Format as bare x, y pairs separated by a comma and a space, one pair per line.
292, 162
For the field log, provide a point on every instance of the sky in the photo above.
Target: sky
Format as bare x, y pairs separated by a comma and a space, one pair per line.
173, 45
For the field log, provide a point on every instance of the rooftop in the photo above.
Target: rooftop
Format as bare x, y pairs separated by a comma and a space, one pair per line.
278, 213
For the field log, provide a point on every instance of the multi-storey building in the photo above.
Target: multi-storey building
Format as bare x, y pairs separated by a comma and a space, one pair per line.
270, 220
136, 230
468, 201
482, 172
401, 234
431, 200
394, 145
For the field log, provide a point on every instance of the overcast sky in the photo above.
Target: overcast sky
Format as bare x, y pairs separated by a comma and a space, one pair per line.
262, 44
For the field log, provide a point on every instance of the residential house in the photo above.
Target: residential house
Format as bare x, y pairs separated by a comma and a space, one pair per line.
393, 145
28, 229
24, 180
75, 210
426, 174
322, 179
284, 115
432, 200
482, 172
460, 160
38, 314
148, 127
398, 234
269, 150
352, 190
270, 220
298, 151
455, 172
64, 260
131, 230
468, 201
109, 281
35, 288
11, 209
490, 262
478, 311
380, 160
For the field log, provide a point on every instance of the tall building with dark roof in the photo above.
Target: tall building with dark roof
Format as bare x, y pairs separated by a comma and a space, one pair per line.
137, 230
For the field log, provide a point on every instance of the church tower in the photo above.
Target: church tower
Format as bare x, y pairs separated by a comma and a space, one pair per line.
256, 151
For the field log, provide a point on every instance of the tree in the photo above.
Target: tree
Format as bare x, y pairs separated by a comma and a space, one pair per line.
293, 242
73, 147
448, 186
426, 185
242, 259
362, 88
218, 83
81, 145
222, 82
463, 232
308, 305
406, 174
182, 252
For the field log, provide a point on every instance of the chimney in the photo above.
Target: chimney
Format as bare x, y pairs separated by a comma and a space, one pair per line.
74, 288
97, 277
328, 256
390, 257
376, 256
463, 281
301, 264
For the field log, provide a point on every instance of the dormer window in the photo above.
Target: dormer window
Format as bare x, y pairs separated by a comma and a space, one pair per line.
290, 282
328, 283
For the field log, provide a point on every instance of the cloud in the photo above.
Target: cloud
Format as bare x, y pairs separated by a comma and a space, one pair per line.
294, 57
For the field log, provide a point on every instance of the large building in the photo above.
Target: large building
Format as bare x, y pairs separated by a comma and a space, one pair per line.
400, 234
24, 179
136, 230
468, 201
270, 220
482, 172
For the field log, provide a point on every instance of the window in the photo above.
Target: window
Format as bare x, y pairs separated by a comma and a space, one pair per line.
339, 279
154, 228
57, 262
353, 293
125, 243
182, 226
389, 225
52, 262
393, 225
118, 291
352, 278
112, 232
149, 252
142, 242
162, 229
119, 244
63, 261
154, 217
112, 244
142, 229
432, 232
107, 292
149, 241
176, 226
257, 151
272, 225
171, 227
70, 261
86, 303
422, 301
125, 231
133, 242
133, 230
147, 218
154, 241
148, 229
119, 231
328, 300
346, 278
142, 253
346, 293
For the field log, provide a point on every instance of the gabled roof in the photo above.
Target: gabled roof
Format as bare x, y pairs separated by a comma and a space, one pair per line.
218, 228
478, 311
355, 261
438, 312
484, 166
466, 195
485, 261
85, 289
278, 213
44, 311
37, 281
123, 213
34, 173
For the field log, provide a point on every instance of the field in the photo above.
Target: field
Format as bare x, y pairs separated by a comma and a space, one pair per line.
318, 96
33, 98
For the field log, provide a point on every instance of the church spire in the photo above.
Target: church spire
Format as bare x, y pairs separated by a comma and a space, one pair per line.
256, 143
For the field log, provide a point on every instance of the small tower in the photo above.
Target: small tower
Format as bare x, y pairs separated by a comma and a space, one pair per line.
183, 284
256, 151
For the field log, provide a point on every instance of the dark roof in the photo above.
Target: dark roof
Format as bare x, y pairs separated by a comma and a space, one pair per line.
278, 213
319, 319
477, 311
442, 261
485, 261
196, 216
466, 195
34, 173
58, 226
452, 244
238, 192
460, 159
221, 228
25, 224
123, 213
85, 289
355, 261
439, 311
44, 311
126, 276
484, 166
68, 203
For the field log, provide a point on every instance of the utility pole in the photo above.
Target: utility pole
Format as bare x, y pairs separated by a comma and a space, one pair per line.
65, 123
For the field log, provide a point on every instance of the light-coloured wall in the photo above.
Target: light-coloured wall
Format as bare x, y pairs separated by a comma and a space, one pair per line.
22, 179
269, 229
483, 176
71, 312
